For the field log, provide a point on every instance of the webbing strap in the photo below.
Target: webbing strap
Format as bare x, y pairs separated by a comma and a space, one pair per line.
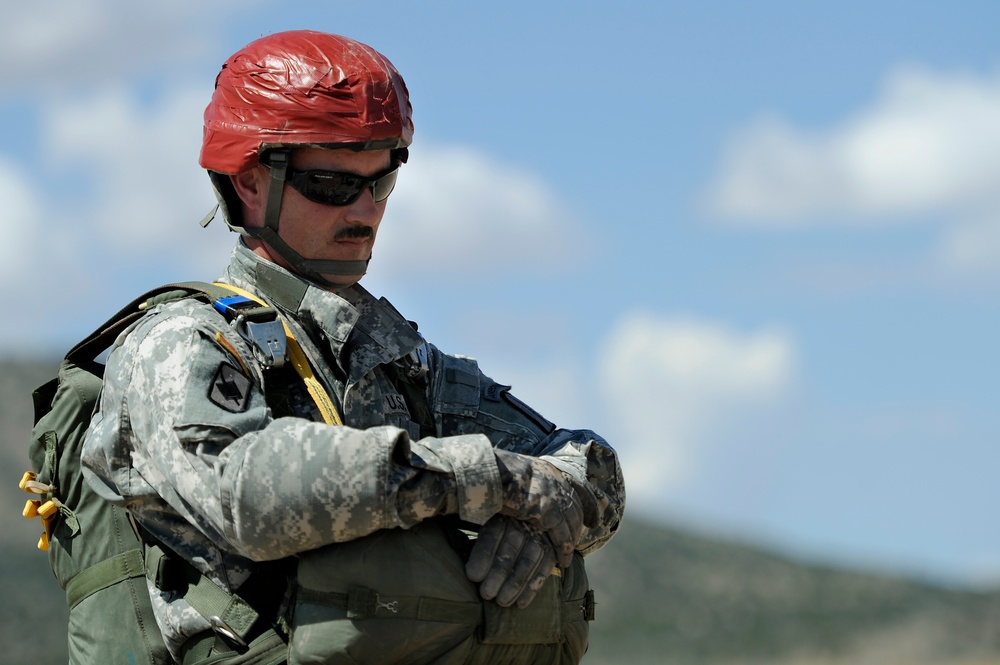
301, 365
363, 603
207, 598
268, 649
104, 574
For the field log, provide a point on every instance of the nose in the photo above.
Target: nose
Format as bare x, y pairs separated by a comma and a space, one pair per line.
364, 210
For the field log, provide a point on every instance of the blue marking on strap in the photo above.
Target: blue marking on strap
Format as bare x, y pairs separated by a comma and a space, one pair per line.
225, 305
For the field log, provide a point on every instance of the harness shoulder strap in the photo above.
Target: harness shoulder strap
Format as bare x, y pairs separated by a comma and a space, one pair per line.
300, 363
102, 337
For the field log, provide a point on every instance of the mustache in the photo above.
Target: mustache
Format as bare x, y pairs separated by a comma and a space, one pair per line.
353, 232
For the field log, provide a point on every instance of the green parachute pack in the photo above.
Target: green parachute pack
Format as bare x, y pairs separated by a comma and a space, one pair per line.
94, 548
393, 596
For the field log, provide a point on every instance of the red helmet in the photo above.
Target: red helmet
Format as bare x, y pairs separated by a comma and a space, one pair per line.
301, 88
295, 89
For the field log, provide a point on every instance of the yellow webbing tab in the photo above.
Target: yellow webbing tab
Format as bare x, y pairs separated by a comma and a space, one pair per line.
29, 476
301, 365
30, 509
48, 509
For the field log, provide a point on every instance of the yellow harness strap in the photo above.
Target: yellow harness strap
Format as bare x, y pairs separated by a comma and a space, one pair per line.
301, 365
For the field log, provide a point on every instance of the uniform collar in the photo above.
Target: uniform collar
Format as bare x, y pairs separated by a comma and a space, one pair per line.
381, 334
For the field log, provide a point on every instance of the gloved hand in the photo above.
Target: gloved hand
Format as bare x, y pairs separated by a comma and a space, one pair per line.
539, 493
512, 559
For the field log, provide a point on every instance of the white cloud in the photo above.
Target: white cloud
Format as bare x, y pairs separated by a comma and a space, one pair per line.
929, 143
20, 219
454, 210
123, 216
35, 266
973, 246
457, 211
147, 184
131, 216
82, 43
675, 385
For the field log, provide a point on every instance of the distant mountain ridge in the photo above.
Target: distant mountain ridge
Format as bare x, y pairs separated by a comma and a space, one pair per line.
665, 595
670, 596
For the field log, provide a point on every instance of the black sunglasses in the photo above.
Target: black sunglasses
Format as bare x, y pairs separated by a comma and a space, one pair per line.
335, 188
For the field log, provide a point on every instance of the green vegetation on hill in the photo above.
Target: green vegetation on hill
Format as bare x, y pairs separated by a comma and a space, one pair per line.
670, 596
665, 595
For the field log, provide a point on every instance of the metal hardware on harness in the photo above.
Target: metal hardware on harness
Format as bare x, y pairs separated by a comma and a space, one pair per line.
392, 605
267, 340
259, 325
223, 630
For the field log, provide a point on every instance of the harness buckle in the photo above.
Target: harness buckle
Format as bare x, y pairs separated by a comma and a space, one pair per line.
267, 340
228, 635
392, 605
259, 326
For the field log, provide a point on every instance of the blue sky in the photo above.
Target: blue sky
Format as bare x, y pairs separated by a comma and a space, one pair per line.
756, 245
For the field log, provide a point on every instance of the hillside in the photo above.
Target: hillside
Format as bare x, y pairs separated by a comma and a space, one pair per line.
670, 596
664, 595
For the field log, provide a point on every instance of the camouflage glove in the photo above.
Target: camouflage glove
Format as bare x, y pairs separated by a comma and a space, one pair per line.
538, 493
512, 559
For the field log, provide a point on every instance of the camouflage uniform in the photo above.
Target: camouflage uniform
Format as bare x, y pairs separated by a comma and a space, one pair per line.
226, 485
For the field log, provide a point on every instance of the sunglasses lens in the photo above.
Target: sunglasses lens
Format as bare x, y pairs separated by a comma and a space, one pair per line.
382, 188
340, 189
335, 189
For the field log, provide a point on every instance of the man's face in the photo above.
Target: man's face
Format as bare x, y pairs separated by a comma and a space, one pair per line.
320, 231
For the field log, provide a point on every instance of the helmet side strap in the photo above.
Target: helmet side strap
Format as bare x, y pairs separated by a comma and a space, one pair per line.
278, 162
310, 269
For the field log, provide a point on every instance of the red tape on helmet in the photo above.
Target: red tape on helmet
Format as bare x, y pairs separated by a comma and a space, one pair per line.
303, 88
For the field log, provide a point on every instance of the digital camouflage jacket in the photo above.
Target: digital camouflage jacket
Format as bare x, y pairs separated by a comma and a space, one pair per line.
185, 440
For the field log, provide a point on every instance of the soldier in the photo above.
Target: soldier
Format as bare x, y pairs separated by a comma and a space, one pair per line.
385, 502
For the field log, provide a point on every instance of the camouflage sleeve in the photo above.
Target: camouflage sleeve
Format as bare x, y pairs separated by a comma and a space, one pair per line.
591, 460
178, 426
465, 401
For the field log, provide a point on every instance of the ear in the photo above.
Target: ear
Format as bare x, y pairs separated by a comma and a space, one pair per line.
251, 187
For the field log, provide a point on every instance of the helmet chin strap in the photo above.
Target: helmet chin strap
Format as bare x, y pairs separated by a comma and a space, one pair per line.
312, 269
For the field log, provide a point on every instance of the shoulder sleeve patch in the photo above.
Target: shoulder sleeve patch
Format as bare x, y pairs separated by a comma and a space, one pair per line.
230, 389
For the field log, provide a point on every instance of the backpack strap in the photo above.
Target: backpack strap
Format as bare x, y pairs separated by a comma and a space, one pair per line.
104, 336
96, 342
225, 611
102, 575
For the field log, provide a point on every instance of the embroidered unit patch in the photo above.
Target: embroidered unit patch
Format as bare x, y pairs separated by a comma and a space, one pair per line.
230, 389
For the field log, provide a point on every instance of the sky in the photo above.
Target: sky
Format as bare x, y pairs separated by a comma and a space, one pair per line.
754, 245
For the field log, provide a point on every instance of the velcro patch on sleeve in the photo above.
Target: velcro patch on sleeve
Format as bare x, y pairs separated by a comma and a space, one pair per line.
230, 389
